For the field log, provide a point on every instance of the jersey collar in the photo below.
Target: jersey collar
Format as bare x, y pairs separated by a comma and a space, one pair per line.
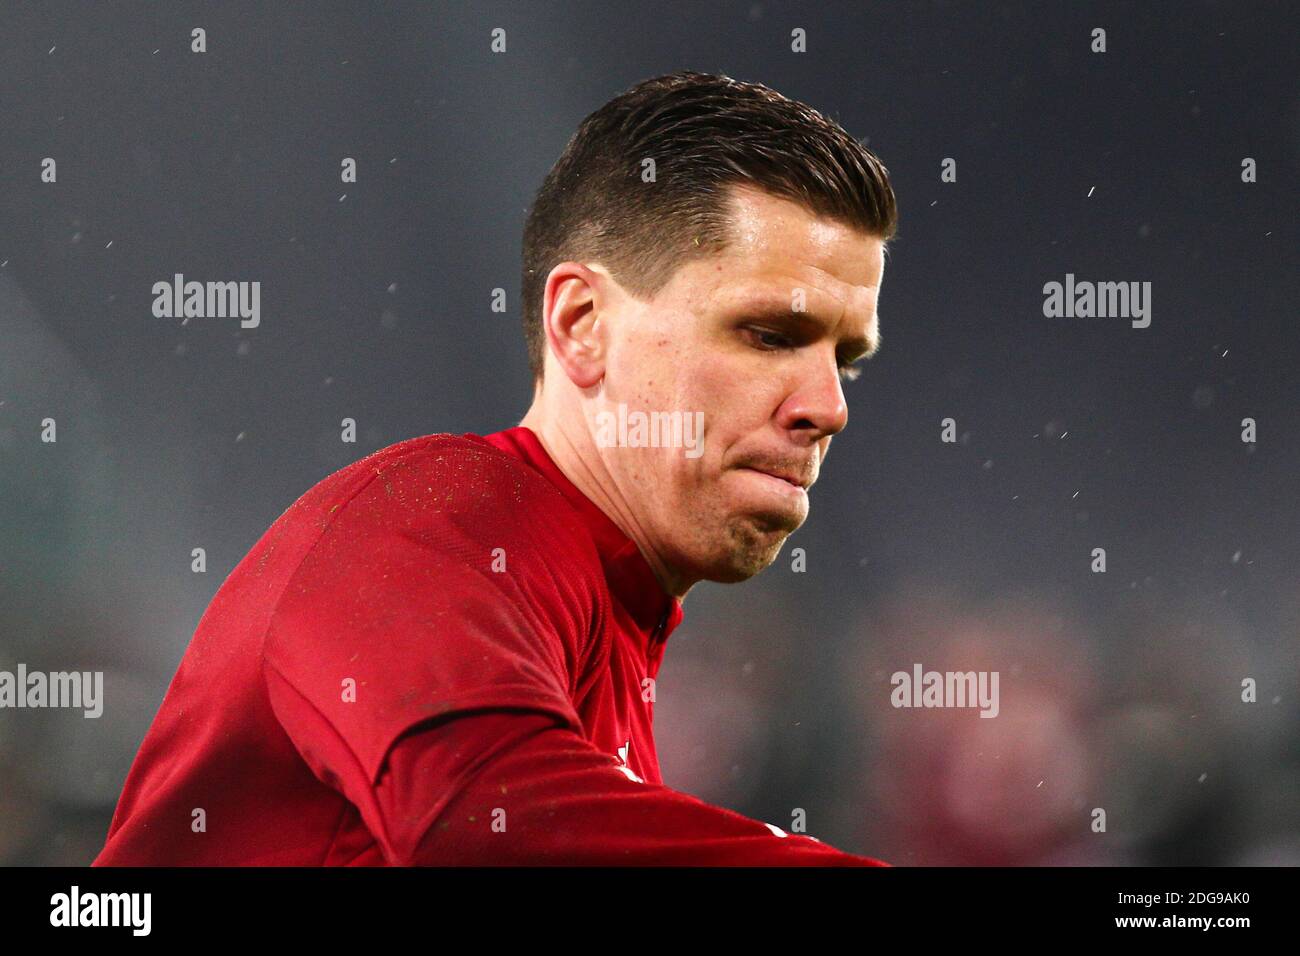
631, 580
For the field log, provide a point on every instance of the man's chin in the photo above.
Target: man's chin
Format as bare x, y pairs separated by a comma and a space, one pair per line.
752, 549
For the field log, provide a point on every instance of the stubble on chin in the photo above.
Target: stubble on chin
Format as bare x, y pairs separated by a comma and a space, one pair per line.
751, 547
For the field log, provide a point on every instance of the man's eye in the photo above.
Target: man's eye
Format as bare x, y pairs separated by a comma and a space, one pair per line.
769, 339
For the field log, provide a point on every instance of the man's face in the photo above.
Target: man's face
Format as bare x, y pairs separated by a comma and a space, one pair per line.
756, 339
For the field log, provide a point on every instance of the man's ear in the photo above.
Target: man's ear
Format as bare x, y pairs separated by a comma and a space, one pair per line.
571, 317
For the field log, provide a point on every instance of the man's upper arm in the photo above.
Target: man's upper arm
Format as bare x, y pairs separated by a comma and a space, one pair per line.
424, 598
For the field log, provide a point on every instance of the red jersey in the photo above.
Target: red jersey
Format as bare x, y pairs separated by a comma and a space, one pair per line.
442, 654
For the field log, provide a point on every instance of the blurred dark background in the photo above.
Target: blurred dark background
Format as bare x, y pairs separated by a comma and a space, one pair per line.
1119, 690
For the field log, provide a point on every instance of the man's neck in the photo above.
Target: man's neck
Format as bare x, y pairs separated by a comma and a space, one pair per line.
577, 459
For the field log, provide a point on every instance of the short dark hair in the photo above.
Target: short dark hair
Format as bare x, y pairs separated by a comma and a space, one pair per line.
705, 133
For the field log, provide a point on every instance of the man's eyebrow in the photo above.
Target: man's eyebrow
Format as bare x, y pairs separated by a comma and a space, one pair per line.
850, 350
859, 348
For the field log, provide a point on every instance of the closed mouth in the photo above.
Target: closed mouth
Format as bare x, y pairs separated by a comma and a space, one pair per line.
787, 478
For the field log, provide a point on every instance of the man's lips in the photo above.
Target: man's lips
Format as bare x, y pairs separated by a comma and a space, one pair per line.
790, 477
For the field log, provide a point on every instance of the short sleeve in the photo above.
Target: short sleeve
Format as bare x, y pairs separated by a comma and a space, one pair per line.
452, 581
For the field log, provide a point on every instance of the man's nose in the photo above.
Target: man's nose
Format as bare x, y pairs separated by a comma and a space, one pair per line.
816, 407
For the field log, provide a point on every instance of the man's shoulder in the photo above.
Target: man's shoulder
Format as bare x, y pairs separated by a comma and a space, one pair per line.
440, 479
447, 508
443, 451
